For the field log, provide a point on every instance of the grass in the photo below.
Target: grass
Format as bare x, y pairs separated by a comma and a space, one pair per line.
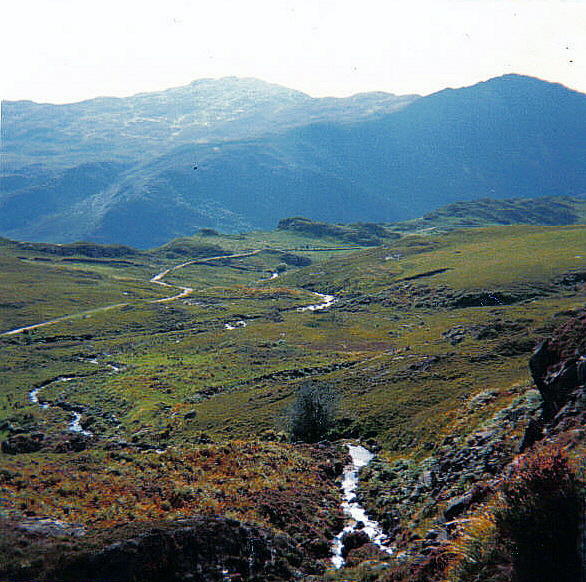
405, 357
181, 355
494, 257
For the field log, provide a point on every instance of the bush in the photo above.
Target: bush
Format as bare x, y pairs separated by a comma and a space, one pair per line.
312, 414
540, 517
530, 532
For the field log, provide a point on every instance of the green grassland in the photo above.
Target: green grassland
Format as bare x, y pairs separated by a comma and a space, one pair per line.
547, 210
476, 258
31, 292
180, 354
421, 326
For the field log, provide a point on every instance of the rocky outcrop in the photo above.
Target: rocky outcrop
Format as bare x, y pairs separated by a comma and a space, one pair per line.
362, 233
458, 474
468, 469
353, 540
23, 443
295, 260
200, 549
558, 367
31, 442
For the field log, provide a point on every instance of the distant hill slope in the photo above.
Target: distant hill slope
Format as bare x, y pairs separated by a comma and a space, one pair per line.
549, 211
368, 161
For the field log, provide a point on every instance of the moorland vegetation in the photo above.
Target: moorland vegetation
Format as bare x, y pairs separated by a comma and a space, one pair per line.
193, 395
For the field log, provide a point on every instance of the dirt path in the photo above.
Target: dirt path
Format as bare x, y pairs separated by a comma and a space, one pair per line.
62, 318
326, 300
156, 279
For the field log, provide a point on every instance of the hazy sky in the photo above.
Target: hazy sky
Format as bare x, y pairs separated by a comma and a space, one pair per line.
67, 50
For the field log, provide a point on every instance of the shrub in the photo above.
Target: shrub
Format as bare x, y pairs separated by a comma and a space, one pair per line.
312, 413
530, 532
540, 517
477, 553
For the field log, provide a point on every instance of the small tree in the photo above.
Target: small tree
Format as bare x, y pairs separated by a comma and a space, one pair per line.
313, 412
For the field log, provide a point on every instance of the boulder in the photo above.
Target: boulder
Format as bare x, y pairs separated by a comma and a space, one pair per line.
457, 506
366, 553
353, 540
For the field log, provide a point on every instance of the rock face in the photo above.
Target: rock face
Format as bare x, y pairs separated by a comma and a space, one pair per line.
202, 549
558, 367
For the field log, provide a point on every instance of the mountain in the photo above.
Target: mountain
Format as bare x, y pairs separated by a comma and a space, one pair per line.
268, 152
148, 124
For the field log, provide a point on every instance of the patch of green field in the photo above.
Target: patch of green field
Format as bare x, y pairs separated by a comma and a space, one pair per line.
34, 292
476, 258
499, 256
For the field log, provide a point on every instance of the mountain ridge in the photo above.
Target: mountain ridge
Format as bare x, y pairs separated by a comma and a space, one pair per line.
206, 109
509, 136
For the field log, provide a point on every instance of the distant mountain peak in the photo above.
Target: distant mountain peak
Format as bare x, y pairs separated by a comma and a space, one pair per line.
518, 81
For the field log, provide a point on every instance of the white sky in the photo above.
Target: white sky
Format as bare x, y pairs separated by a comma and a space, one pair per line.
66, 50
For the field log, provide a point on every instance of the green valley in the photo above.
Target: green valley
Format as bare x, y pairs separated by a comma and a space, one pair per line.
180, 364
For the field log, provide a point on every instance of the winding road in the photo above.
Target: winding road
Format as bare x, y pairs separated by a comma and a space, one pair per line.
357, 518
75, 424
156, 279
326, 300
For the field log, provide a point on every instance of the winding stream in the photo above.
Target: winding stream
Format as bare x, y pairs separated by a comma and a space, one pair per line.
355, 513
76, 415
75, 424
357, 518
326, 301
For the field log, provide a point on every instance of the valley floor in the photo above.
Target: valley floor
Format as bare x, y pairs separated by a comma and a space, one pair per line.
149, 398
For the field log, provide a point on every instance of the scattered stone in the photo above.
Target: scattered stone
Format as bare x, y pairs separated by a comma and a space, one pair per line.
51, 527
457, 506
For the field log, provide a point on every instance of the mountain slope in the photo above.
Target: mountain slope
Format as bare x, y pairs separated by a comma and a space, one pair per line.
510, 136
149, 123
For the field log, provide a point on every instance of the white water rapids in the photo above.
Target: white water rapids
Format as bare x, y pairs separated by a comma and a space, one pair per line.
235, 324
354, 511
